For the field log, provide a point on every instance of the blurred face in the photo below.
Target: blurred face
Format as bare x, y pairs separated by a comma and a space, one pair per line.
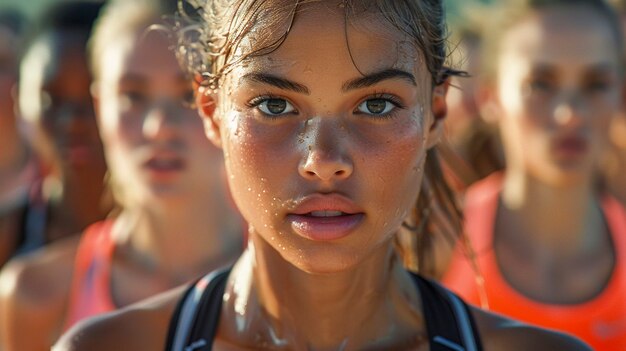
54, 94
325, 159
155, 142
558, 87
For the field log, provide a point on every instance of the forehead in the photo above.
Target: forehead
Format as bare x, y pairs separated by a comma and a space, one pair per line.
143, 52
561, 35
323, 38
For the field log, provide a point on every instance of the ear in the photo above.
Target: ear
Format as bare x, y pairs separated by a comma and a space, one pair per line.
207, 104
440, 110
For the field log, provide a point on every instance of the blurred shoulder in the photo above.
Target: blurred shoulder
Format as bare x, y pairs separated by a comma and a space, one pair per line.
41, 277
141, 326
500, 333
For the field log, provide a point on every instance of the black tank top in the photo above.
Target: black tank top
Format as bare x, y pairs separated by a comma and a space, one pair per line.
449, 323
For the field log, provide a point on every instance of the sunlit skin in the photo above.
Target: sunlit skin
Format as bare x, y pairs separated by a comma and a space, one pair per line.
557, 89
174, 220
344, 138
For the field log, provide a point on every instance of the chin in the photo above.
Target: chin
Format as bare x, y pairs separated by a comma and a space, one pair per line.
321, 261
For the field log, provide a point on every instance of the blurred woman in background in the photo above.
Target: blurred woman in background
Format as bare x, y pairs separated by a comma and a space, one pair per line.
174, 219
54, 100
18, 165
549, 243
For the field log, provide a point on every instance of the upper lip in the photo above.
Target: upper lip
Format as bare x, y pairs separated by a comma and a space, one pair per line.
325, 202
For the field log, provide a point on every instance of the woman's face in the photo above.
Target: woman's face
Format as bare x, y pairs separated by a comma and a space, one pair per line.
55, 95
558, 87
154, 140
325, 158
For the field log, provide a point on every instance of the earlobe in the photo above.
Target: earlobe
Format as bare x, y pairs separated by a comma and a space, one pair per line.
440, 110
206, 103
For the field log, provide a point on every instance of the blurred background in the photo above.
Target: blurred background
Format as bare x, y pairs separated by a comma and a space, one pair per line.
31, 7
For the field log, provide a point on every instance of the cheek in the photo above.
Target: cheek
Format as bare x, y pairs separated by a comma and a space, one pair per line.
260, 163
394, 168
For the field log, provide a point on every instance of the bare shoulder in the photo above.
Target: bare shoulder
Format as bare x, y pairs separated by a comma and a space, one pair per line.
40, 275
500, 333
141, 326
33, 293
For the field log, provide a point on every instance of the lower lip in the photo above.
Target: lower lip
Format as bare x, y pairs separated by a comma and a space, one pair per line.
324, 228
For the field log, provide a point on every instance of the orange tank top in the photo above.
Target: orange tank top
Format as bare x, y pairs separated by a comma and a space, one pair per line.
601, 321
90, 293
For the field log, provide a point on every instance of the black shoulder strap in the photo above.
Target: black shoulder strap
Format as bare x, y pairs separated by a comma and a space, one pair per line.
449, 324
196, 318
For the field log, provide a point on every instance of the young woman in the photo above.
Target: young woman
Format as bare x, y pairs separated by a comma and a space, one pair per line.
174, 221
54, 100
325, 112
550, 246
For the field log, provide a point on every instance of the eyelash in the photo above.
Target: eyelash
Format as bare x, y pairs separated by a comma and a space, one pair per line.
256, 101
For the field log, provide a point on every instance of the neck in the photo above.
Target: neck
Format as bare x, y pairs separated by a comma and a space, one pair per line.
551, 216
362, 307
79, 201
180, 240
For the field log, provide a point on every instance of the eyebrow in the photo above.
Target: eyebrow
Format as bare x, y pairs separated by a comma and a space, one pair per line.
357, 83
277, 82
377, 77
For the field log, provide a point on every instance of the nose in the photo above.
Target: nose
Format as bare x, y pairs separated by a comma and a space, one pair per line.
160, 122
569, 112
326, 159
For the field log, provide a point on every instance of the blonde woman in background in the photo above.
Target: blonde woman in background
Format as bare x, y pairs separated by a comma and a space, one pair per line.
550, 244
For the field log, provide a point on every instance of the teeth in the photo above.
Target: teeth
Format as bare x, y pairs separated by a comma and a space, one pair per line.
326, 213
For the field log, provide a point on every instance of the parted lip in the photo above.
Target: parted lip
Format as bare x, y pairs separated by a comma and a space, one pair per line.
571, 142
325, 202
171, 157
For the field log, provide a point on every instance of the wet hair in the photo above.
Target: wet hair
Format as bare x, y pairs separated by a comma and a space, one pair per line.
214, 33
509, 13
215, 36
